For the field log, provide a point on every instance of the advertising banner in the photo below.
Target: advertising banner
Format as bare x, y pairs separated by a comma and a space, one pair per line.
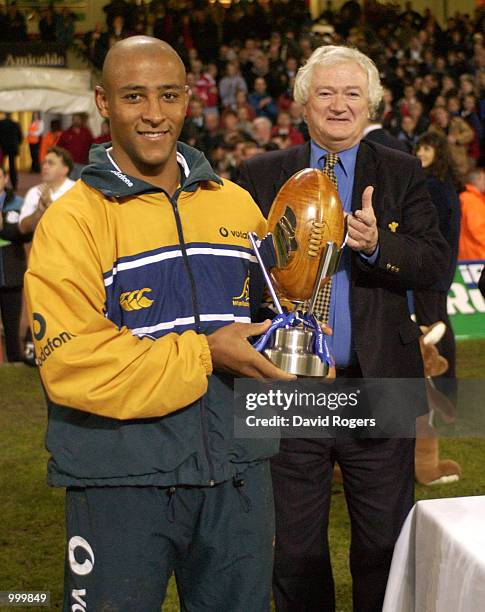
22, 54
466, 305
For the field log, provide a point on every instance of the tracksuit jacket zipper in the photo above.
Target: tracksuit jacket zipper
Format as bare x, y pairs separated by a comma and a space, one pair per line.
99, 174
195, 307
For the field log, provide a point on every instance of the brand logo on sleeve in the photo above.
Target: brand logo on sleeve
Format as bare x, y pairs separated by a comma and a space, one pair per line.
39, 328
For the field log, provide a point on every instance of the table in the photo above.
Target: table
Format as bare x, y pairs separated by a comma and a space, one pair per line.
439, 559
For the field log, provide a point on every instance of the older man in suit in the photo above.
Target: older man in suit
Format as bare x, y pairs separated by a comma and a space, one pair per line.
394, 244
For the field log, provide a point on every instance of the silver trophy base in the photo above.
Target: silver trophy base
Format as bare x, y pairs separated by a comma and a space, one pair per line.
292, 352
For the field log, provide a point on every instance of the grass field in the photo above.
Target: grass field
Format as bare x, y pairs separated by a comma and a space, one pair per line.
31, 514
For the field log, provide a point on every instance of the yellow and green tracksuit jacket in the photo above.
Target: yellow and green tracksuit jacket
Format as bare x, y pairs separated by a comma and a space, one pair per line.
123, 285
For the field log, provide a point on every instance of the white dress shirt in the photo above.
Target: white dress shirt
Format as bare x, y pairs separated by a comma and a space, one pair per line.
31, 200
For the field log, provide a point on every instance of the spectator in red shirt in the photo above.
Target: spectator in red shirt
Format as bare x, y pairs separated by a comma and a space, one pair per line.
284, 130
77, 140
242, 102
205, 87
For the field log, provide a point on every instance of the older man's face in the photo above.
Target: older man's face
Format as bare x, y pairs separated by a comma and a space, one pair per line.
337, 109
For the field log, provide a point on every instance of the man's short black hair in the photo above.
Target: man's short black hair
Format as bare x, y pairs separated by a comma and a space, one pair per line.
64, 155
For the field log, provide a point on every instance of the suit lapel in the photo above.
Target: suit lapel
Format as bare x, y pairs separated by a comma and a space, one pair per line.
366, 172
299, 159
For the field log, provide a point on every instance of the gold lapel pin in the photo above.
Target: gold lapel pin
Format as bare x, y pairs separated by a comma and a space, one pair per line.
393, 226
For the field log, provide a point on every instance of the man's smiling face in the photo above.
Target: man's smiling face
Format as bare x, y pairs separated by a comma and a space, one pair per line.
145, 100
337, 109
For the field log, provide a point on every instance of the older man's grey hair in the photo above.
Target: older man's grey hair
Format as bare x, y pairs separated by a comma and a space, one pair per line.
329, 55
262, 122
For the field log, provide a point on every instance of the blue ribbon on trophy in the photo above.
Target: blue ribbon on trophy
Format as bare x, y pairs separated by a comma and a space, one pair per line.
286, 320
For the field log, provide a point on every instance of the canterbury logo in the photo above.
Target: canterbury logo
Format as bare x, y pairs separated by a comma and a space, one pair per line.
135, 300
243, 299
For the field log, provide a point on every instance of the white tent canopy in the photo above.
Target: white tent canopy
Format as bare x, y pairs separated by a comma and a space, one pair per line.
49, 90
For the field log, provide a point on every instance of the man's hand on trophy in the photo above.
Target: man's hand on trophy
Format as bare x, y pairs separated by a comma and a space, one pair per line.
362, 226
231, 352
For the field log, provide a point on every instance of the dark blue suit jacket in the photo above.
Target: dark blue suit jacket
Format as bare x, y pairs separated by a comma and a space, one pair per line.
413, 256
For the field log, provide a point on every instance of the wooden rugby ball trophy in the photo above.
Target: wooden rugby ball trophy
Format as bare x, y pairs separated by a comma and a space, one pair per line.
306, 236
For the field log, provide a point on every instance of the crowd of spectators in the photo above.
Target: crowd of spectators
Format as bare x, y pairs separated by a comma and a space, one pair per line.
242, 61
53, 25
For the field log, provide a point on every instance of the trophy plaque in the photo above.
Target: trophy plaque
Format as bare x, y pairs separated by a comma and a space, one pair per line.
306, 236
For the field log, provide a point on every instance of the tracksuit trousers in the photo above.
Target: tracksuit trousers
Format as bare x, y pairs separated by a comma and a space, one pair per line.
123, 544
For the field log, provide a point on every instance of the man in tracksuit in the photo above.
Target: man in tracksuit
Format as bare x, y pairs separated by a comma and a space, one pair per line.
141, 287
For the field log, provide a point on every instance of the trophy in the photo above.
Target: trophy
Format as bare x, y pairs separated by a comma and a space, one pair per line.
303, 247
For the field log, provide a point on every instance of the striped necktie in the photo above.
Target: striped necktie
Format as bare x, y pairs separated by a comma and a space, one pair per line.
322, 303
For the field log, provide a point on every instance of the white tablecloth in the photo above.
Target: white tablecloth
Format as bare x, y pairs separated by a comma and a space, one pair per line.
439, 559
